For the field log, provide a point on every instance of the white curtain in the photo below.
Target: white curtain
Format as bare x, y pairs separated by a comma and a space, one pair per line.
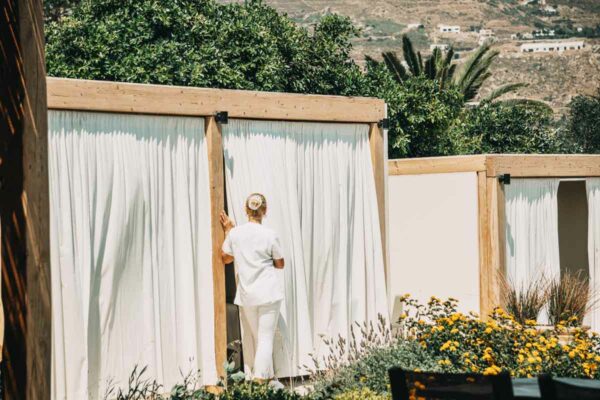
320, 190
130, 251
532, 246
593, 198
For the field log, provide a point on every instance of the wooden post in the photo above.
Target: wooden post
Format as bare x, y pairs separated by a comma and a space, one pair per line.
493, 244
217, 203
376, 144
485, 270
24, 209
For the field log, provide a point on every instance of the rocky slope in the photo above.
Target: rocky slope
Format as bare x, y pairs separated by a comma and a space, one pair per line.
554, 78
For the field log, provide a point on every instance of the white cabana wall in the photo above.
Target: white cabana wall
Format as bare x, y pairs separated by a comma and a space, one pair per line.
320, 189
434, 237
130, 251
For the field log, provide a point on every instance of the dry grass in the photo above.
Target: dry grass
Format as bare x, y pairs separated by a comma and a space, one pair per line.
569, 299
524, 302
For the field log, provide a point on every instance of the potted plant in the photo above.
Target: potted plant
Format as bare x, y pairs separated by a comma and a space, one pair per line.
569, 299
524, 302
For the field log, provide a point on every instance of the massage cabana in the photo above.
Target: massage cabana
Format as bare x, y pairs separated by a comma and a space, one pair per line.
458, 223
138, 174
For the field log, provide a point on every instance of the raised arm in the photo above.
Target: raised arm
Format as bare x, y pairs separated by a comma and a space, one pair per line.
226, 251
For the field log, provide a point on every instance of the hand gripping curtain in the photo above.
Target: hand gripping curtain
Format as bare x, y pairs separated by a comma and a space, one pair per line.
130, 251
320, 190
593, 198
531, 230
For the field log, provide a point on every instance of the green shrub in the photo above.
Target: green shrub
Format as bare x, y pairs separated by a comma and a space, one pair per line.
468, 343
362, 364
362, 394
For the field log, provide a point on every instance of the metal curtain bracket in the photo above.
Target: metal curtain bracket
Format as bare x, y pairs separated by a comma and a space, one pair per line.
384, 123
504, 178
222, 117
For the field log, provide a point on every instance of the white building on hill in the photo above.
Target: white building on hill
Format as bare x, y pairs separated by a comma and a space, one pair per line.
443, 47
449, 28
547, 47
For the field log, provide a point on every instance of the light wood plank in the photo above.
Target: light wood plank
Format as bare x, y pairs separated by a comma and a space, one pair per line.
376, 143
217, 203
88, 95
495, 216
436, 165
34, 199
544, 165
485, 303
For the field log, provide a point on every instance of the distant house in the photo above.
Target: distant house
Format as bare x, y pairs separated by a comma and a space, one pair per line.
442, 47
485, 35
449, 28
549, 10
555, 46
544, 33
416, 25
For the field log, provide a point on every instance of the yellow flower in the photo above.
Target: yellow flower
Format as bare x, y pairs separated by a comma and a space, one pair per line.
492, 370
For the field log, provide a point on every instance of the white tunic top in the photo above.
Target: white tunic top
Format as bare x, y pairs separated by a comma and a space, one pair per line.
254, 247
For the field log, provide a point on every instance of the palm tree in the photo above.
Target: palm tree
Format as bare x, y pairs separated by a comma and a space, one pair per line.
469, 78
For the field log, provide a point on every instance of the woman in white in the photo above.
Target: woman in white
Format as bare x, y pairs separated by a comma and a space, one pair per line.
256, 252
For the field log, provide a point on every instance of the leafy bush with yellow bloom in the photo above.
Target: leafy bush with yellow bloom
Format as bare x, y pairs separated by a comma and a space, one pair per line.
361, 394
468, 343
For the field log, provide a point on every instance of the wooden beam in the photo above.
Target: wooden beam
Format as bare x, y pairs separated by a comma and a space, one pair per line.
485, 270
543, 165
35, 201
217, 204
24, 209
72, 94
495, 211
376, 143
436, 165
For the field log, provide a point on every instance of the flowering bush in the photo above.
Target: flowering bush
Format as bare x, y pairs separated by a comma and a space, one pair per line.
468, 343
361, 394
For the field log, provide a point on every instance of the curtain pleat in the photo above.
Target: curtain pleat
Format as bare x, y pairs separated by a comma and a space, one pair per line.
593, 198
130, 251
532, 245
320, 190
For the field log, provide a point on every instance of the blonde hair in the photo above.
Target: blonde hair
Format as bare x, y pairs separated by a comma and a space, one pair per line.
256, 206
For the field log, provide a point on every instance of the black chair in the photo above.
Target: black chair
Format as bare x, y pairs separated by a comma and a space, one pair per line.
552, 389
411, 385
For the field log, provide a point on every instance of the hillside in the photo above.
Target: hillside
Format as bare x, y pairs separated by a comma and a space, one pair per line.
552, 77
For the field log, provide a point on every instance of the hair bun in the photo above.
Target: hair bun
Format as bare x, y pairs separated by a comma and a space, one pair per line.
254, 202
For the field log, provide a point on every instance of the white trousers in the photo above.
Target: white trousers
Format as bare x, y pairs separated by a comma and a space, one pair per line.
259, 324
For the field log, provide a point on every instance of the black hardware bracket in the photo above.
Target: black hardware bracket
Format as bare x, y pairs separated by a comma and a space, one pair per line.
222, 117
384, 123
504, 179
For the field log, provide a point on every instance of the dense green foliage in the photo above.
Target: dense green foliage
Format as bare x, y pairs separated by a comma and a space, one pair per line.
584, 122
202, 43
506, 128
251, 46
435, 337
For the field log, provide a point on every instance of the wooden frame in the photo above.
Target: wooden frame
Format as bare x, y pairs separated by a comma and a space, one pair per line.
84, 95
24, 208
491, 198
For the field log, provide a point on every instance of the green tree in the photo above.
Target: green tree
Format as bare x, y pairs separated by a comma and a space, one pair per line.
584, 122
506, 128
56, 9
203, 43
468, 79
420, 113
